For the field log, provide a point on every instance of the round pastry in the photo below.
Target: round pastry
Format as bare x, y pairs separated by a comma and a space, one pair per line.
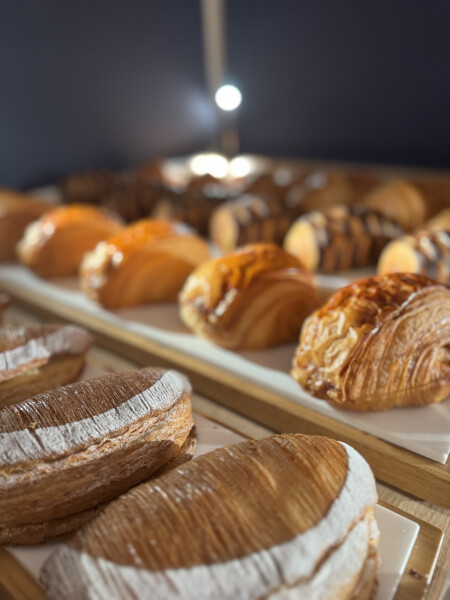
283, 517
16, 212
65, 452
54, 245
39, 358
378, 343
255, 297
148, 261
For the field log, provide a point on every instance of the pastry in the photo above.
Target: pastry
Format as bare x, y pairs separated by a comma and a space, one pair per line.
441, 221
4, 303
378, 343
401, 201
255, 297
16, 212
54, 245
288, 516
38, 358
146, 262
65, 452
133, 199
424, 252
89, 187
340, 238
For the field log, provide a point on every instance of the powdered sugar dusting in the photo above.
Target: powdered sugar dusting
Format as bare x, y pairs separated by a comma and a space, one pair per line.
274, 573
42, 443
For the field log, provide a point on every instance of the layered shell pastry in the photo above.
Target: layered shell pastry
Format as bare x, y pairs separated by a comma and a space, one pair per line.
54, 245
148, 261
255, 297
284, 517
380, 342
66, 452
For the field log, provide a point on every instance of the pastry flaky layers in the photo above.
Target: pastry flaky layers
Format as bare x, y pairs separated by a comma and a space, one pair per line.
39, 358
148, 261
288, 516
255, 297
378, 343
54, 245
65, 452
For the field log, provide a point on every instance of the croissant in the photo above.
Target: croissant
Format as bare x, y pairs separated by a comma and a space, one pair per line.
378, 343
39, 358
16, 212
401, 201
283, 517
255, 297
424, 252
54, 245
65, 452
146, 262
340, 238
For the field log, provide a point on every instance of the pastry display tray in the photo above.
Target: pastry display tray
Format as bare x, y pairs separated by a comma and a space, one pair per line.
409, 548
399, 444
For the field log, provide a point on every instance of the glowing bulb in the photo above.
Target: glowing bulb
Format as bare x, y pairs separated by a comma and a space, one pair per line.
240, 167
214, 164
228, 97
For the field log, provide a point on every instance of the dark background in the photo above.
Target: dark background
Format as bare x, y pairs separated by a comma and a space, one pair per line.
115, 83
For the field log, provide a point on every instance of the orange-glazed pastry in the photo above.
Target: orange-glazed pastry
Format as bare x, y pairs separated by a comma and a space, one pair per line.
148, 261
378, 343
54, 245
255, 297
16, 212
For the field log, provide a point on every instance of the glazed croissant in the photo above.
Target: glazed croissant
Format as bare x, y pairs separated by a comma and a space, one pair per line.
283, 517
378, 343
255, 297
148, 261
54, 245
65, 452
39, 358
424, 252
17, 211
340, 238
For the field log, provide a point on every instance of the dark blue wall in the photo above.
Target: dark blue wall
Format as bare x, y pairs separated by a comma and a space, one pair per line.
98, 83
350, 80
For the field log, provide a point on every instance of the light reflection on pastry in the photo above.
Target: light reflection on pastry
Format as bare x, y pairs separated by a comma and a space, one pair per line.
285, 517
255, 297
16, 212
378, 343
148, 261
54, 245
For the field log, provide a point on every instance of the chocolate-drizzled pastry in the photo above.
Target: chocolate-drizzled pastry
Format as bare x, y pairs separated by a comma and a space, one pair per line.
424, 252
340, 238
378, 343
89, 187
65, 452
54, 245
148, 261
133, 198
287, 516
38, 358
255, 297
17, 211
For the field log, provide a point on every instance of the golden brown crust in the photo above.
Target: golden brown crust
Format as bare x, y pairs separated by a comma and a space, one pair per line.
17, 211
54, 245
378, 343
148, 261
81, 445
255, 297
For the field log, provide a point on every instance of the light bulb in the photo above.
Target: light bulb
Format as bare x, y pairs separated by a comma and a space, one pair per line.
228, 97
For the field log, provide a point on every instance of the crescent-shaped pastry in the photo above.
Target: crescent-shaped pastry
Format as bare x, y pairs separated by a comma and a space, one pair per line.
255, 297
378, 343
65, 452
148, 261
54, 245
17, 211
340, 238
424, 252
39, 358
283, 517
